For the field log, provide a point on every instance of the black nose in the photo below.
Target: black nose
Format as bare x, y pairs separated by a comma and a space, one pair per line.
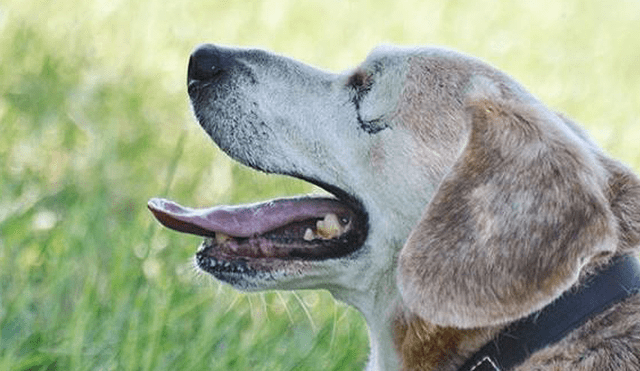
207, 62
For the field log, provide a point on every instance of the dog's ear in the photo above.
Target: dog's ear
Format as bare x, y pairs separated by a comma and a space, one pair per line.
522, 210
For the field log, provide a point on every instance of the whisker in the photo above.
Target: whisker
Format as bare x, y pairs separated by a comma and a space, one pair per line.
286, 306
306, 311
334, 325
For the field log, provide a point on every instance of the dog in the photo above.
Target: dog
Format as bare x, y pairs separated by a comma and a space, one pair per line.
461, 205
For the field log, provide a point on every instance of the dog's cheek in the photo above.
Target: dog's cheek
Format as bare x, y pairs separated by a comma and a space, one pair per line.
377, 156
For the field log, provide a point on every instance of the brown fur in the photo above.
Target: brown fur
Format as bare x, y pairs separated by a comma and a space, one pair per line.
525, 211
492, 237
483, 205
425, 346
608, 342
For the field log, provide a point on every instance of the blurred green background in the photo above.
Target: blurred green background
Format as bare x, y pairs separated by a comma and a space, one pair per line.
94, 120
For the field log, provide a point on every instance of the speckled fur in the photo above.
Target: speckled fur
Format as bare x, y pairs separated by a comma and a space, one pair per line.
484, 205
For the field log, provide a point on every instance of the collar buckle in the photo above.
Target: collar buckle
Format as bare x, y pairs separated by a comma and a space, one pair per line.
485, 364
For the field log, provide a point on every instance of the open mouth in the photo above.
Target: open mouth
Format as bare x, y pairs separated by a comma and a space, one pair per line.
246, 238
262, 237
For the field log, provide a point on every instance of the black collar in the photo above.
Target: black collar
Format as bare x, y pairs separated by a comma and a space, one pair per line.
512, 346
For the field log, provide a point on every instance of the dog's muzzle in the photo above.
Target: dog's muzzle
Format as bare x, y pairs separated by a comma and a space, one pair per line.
241, 239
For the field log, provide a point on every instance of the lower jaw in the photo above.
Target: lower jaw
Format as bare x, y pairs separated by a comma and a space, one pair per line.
228, 266
225, 265
249, 274
214, 266
246, 256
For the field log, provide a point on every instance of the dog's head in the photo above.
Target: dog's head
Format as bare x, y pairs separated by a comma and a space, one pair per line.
450, 180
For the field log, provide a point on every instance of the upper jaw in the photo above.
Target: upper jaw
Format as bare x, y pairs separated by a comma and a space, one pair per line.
251, 105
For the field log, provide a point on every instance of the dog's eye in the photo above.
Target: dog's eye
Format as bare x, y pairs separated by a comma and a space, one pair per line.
359, 81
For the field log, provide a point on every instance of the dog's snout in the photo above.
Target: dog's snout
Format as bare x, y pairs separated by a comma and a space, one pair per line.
206, 62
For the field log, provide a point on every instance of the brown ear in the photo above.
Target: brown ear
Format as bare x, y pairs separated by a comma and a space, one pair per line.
521, 211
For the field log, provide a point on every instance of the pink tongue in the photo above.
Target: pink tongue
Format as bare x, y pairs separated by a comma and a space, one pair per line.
244, 221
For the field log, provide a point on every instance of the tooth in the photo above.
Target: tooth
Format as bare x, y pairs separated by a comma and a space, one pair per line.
308, 235
222, 238
329, 227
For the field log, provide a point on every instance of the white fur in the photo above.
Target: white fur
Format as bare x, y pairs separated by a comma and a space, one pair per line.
294, 119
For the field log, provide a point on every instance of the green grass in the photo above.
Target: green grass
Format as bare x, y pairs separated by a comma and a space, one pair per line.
95, 120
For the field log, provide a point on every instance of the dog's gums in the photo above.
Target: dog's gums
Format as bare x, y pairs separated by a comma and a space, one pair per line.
278, 243
299, 228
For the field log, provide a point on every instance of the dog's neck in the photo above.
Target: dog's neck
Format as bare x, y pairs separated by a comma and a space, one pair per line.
401, 340
421, 345
378, 304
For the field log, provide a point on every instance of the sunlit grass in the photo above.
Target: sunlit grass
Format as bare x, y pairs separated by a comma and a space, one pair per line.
95, 120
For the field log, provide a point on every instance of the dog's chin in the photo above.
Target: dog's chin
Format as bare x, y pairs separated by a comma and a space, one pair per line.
248, 246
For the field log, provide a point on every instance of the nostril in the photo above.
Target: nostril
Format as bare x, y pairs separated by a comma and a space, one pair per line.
205, 63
